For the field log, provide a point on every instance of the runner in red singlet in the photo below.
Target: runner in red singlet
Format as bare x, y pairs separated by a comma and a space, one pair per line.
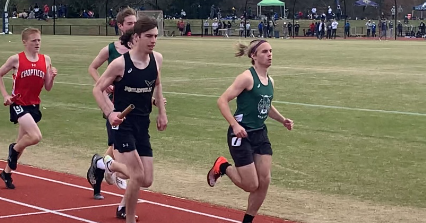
32, 72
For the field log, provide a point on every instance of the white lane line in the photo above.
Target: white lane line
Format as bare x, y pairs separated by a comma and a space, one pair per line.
119, 195
311, 105
60, 210
47, 210
279, 102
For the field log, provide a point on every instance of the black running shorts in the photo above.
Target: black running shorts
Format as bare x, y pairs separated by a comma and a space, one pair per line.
243, 149
110, 133
17, 111
133, 134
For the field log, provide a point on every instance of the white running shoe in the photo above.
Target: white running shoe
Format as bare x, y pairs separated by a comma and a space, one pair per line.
120, 183
109, 177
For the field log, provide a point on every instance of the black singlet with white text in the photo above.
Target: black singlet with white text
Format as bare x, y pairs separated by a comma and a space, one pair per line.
136, 87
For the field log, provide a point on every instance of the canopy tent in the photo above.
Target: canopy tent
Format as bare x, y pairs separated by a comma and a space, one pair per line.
366, 3
421, 7
265, 3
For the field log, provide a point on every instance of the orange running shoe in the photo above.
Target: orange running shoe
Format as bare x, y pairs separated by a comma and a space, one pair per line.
214, 172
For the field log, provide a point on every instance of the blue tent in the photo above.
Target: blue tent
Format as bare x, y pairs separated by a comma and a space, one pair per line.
421, 7
366, 3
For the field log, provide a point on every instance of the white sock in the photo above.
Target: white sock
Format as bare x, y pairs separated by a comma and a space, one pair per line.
122, 203
100, 164
108, 165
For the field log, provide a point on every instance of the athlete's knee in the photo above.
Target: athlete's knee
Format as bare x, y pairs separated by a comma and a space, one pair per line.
250, 186
34, 137
139, 177
147, 182
264, 181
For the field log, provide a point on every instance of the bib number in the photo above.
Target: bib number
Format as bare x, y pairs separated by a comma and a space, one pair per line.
18, 109
236, 141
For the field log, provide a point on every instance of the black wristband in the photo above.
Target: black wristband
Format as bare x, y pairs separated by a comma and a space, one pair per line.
107, 117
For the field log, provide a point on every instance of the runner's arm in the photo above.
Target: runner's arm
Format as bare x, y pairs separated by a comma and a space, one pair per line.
273, 112
158, 92
111, 73
50, 75
242, 82
97, 62
276, 115
10, 64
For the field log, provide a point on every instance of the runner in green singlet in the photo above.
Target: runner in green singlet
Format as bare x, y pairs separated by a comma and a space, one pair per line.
248, 140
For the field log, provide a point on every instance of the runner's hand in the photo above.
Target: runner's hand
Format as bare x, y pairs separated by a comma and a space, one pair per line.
239, 131
288, 123
7, 100
114, 120
162, 122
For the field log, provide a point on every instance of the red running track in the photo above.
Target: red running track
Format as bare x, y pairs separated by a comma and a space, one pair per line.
48, 197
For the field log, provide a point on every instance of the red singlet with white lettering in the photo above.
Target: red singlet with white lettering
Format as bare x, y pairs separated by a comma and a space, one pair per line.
29, 80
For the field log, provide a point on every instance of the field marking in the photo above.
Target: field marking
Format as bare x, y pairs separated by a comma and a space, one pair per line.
46, 210
119, 195
296, 67
59, 210
318, 68
165, 80
312, 105
278, 102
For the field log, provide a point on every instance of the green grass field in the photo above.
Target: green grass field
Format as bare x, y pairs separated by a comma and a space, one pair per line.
358, 107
